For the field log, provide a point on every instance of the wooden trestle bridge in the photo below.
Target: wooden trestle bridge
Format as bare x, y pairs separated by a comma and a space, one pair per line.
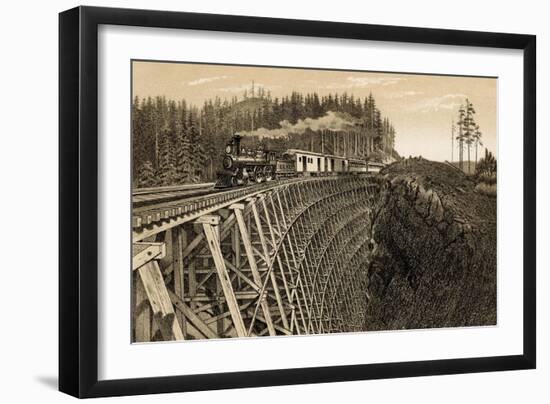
279, 258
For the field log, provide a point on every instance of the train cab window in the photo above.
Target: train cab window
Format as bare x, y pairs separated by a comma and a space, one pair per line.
300, 158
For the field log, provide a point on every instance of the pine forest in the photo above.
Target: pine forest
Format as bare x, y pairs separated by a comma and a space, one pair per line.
177, 143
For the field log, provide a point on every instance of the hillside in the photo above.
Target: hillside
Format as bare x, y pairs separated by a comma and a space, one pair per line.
436, 259
472, 165
250, 105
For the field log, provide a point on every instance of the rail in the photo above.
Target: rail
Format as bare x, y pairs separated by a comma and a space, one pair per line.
151, 220
170, 188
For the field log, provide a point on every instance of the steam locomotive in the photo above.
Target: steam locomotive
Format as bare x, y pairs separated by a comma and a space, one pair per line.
242, 167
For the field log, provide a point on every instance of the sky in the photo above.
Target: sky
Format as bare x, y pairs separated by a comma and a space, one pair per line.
421, 107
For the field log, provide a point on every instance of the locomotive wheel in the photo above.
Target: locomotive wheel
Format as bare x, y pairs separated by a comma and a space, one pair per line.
245, 176
258, 174
268, 173
240, 178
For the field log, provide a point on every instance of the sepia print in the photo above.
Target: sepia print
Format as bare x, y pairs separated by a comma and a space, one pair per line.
272, 201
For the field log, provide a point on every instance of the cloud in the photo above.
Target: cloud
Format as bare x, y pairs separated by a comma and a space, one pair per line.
368, 81
401, 94
246, 86
361, 82
435, 104
204, 80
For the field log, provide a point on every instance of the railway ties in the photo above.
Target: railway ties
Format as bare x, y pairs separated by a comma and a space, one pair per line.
187, 209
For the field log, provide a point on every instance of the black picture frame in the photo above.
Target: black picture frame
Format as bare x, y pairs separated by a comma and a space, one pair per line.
78, 195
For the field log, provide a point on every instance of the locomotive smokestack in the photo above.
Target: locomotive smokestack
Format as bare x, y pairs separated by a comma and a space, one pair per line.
237, 143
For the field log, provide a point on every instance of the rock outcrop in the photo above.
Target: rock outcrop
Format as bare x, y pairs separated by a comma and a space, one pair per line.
435, 262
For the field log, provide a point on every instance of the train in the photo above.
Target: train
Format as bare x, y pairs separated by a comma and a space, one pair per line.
242, 167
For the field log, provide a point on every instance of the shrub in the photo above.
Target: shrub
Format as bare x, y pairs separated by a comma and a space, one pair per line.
487, 189
486, 166
487, 178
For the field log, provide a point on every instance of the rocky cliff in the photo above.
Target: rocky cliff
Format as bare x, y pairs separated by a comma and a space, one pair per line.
435, 261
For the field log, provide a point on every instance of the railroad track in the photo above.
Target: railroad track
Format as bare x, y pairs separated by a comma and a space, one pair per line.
170, 188
187, 206
164, 208
148, 197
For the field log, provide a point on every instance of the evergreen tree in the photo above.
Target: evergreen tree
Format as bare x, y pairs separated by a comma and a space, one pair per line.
145, 175
461, 136
183, 144
469, 135
183, 155
166, 171
138, 135
477, 139
469, 129
487, 166
196, 147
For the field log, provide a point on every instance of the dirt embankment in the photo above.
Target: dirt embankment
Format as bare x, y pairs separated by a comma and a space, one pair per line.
435, 264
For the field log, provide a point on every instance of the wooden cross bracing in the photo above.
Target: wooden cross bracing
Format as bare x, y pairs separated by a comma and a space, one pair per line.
290, 260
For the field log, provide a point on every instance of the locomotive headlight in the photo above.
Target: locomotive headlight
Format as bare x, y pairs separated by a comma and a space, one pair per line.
228, 149
227, 162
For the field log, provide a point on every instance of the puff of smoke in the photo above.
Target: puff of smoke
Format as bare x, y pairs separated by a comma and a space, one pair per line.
331, 121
